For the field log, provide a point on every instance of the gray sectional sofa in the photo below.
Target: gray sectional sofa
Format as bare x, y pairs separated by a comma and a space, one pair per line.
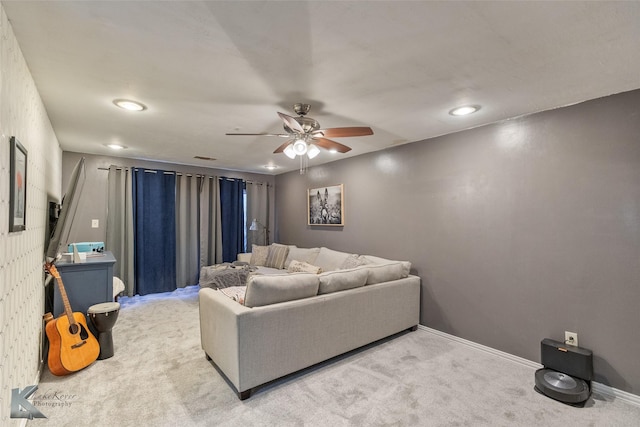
290, 321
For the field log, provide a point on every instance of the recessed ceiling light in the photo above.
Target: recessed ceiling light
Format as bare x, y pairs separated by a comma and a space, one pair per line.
127, 104
270, 167
464, 110
116, 146
333, 151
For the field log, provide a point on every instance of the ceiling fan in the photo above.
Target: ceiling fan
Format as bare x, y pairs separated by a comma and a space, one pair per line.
305, 136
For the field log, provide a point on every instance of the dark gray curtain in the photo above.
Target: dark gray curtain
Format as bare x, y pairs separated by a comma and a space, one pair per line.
120, 234
210, 225
154, 217
232, 218
258, 209
187, 258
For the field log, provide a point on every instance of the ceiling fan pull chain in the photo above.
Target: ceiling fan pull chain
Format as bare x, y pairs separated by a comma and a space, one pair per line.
304, 163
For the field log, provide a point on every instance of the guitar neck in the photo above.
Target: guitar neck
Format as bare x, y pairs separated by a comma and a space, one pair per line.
63, 293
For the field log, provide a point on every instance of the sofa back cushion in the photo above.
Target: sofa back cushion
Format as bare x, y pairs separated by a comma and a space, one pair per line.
301, 254
377, 260
394, 270
340, 280
329, 260
271, 289
276, 256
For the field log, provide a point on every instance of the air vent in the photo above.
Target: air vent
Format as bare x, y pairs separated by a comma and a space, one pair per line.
204, 158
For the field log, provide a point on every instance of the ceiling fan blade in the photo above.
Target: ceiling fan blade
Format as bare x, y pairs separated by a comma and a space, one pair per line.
331, 145
281, 135
345, 132
281, 148
291, 122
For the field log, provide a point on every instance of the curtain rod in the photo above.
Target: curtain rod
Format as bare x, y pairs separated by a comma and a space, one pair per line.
186, 174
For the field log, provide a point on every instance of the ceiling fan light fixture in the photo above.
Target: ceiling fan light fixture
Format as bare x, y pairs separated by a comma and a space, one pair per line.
289, 152
313, 151
464, 110
299, 147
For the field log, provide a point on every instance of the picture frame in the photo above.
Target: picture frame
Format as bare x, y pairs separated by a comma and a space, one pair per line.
18, 186
325, 205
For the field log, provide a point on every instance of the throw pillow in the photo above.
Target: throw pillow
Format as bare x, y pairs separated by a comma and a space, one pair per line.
259, 255
276, 256
303, 267
354, 261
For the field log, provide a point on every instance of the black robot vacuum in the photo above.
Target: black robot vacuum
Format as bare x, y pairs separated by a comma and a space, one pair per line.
567, 372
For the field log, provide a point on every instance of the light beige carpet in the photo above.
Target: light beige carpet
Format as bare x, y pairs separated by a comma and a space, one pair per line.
159, 377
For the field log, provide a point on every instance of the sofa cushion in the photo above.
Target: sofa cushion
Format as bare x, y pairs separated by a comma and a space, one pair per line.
329, 259
377, 260
340, 280
258, 254
379, 273
301, 254
265, 290
303, 267
276, 256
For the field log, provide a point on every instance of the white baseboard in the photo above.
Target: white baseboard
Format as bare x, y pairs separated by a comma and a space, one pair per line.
625, 396
597, 387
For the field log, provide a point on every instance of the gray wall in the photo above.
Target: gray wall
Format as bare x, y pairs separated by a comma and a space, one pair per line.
93, 202
520, 230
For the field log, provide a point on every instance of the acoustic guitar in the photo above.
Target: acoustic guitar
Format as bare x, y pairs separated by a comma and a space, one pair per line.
72, 347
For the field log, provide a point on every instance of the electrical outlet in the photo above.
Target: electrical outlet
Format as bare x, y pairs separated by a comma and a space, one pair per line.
571, 338
95, 223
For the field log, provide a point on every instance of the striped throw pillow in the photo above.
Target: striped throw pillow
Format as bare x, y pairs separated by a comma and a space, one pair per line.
277, 256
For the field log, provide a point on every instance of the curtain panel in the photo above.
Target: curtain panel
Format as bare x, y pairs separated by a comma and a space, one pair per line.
154, 215
232, 217
120, 234
210, 235
258, 209
187, 243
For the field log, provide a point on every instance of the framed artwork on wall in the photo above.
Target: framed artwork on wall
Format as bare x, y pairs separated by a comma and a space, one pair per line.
18, 186
325, 205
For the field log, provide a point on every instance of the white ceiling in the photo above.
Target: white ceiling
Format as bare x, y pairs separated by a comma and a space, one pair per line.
207, 68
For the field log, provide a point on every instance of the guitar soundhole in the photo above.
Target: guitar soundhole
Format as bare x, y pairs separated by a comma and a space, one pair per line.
78, 328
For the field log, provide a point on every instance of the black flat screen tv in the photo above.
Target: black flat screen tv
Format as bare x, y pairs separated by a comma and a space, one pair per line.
70, 199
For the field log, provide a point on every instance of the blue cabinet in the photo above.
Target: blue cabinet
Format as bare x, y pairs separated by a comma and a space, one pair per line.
86, 283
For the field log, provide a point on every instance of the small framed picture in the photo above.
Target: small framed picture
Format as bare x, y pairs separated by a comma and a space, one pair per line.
326, 205
18, 186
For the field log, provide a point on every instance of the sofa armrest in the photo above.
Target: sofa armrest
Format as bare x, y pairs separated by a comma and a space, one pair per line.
219, 330
245, 257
